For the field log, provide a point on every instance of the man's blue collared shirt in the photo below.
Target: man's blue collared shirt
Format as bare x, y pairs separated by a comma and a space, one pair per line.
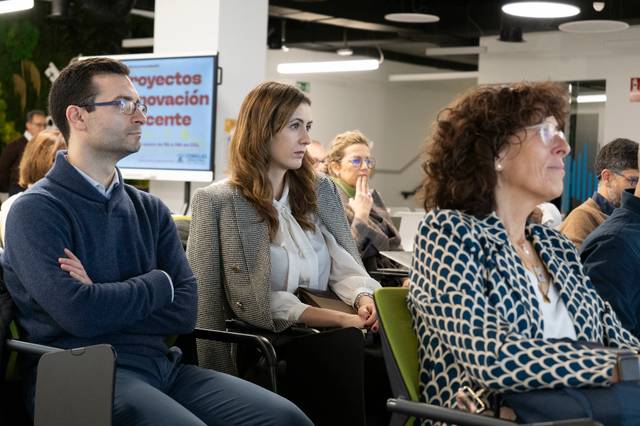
605, 206
98, 186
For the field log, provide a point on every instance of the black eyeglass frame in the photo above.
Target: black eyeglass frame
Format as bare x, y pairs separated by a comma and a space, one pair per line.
138, 106
633, 180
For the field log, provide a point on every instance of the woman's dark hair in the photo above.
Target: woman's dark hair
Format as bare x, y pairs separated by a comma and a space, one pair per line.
472, 131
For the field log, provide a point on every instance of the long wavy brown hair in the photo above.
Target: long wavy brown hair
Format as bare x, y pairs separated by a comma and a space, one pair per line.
265, 112
472, 131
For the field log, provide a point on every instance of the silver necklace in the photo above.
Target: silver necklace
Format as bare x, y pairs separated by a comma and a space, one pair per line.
538, 270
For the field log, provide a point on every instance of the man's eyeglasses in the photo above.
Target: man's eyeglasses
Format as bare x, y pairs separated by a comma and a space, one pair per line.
357, 162
548, 131
127, 107
632, 180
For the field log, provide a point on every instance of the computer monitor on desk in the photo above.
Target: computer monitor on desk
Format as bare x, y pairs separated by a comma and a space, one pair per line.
408, 228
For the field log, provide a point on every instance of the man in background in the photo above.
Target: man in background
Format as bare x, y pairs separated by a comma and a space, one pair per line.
12, 153
617, 169
317, 153
611, 258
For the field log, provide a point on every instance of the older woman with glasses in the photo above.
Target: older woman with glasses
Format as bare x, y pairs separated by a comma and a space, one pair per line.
501, 306
350, 165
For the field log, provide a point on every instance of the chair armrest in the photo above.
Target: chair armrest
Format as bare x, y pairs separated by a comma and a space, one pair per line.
261, 342
447, 415
30, 348
237, 325
81, 380
232, 337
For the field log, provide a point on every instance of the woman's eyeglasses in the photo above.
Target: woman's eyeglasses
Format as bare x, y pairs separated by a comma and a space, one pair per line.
548, 131
357, 162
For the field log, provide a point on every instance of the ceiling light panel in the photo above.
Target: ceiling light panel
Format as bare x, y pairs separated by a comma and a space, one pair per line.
8, 6
328, 66
593, 26
307, 16
540, 9
359, 25
412, 18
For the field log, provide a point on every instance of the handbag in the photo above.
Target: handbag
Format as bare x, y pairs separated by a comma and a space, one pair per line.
325, 299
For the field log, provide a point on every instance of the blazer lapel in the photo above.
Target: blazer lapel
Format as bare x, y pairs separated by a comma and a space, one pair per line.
503, 258
253, 231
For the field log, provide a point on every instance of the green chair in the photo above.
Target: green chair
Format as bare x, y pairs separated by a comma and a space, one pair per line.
400, 348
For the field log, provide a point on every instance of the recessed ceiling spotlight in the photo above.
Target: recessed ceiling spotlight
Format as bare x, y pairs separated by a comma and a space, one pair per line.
593, 26
344, 51
540, 9
412, 18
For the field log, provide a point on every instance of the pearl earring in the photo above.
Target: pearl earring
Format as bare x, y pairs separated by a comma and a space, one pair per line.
499, 167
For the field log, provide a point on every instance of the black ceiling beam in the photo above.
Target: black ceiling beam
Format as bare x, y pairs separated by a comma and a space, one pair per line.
429, 61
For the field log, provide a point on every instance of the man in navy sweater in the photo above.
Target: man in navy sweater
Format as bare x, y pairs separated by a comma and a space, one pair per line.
92, 260
611, 258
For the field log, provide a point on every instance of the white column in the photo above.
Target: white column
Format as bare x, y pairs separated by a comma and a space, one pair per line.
237, 30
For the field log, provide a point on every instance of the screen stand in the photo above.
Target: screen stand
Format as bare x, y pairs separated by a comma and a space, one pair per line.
187, 197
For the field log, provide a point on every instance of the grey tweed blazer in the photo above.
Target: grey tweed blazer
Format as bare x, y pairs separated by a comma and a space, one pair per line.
229, 252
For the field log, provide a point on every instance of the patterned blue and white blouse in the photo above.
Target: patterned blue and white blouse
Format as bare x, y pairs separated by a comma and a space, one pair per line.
478, 319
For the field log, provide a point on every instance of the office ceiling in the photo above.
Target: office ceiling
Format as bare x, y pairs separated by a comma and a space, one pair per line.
323, 25
327, 25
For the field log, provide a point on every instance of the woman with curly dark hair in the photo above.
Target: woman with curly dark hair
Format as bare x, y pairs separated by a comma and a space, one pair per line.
502, 306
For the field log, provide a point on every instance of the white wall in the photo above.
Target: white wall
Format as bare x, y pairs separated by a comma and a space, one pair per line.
396, 116
238, 32
564, 57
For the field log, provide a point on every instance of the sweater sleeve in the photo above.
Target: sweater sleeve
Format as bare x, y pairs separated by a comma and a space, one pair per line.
371, 236
606, 260
347, 277
38, 232
178, 317
578, 225
448, 296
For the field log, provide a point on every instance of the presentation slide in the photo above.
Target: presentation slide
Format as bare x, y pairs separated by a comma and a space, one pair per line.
180, 93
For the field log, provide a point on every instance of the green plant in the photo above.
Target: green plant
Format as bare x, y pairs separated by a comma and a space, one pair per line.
7, 128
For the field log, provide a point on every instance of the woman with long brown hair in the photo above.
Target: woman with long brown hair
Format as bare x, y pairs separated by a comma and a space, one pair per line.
272, 227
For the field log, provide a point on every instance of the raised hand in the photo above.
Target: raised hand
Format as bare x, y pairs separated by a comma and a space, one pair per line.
362, 201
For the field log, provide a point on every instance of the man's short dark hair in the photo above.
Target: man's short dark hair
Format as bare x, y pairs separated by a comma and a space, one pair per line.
74, 86
619, 154
33, 113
